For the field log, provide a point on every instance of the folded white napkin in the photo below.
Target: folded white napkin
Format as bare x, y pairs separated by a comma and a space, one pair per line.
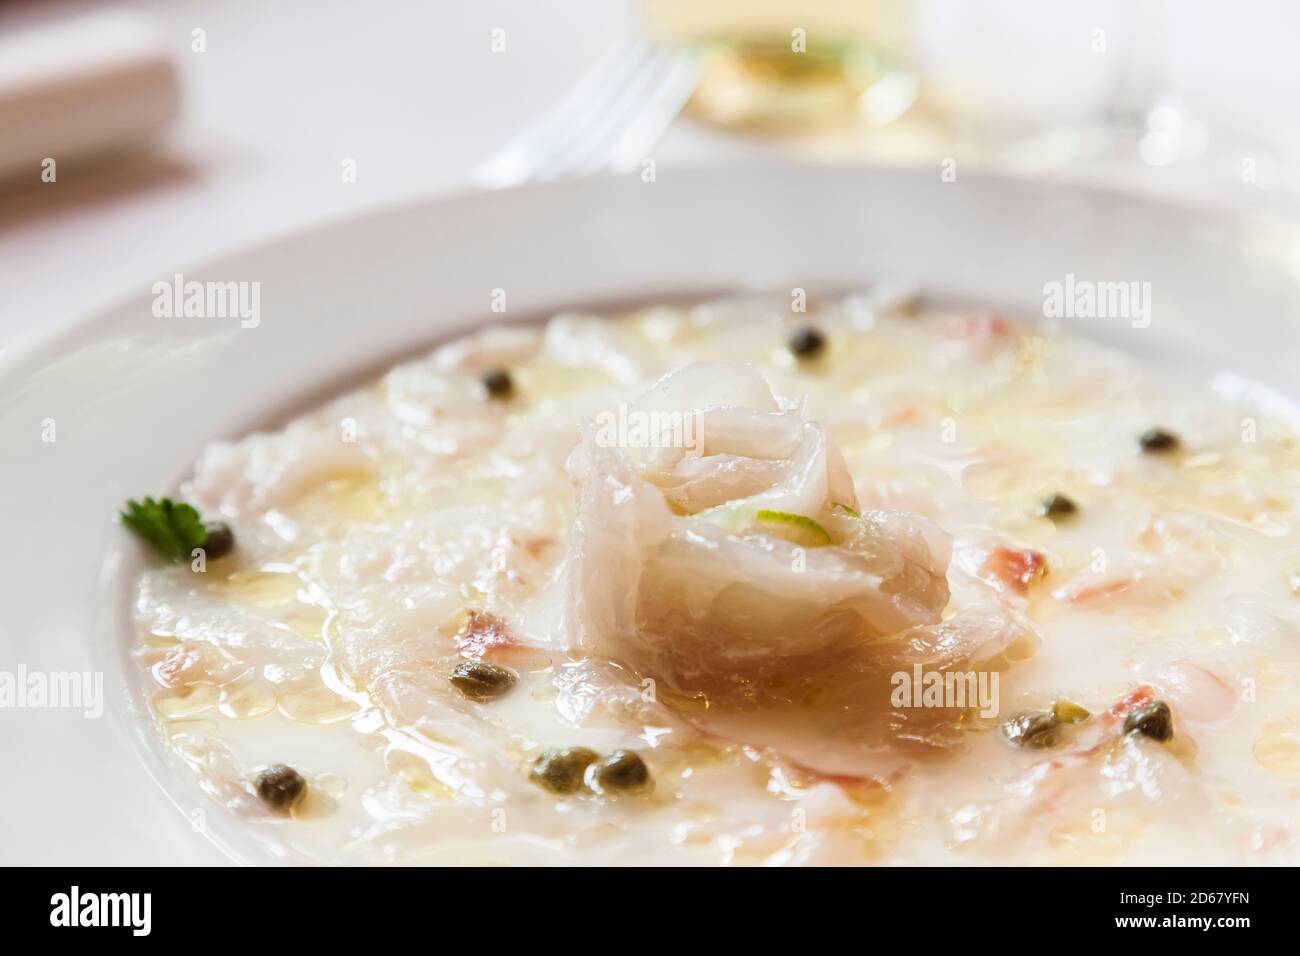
88, 85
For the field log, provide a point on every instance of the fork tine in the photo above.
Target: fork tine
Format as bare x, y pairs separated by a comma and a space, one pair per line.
603, 124
620, 105
594, 92
664, 105
597, 88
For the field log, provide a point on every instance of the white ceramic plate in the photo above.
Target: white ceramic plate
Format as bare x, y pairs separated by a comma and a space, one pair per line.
133, 396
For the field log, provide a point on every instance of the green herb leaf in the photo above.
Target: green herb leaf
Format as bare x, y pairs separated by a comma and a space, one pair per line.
851, 512
173, 529
798, 529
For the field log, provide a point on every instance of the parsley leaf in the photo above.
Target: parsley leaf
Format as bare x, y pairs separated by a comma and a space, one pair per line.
173, 529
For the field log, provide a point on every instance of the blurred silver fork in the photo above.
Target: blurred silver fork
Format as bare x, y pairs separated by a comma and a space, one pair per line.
610, 120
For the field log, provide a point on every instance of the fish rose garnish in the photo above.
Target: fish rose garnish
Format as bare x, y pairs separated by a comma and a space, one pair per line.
718, 541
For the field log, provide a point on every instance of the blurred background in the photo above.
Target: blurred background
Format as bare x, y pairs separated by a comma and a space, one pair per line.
137, 138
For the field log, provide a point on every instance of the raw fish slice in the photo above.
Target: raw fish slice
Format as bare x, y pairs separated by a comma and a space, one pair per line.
716, 598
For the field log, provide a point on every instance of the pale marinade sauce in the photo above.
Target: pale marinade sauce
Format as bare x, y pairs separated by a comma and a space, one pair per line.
382, 537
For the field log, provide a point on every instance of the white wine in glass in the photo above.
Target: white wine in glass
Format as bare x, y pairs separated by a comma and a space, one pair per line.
777, 65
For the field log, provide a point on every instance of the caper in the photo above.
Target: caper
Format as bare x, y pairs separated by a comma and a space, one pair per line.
807, 342
560, 771
1155, 720
1068, 712
498, 383
479, 680
1036, 730
1157, 440
280, 787
623, 771
219, 541
1058, 506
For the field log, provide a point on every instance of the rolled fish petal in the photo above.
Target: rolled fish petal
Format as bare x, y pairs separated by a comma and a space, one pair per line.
817, 479
706, 598
697, 484
850, 725
713, 602
619, 516
773, 436
702, 396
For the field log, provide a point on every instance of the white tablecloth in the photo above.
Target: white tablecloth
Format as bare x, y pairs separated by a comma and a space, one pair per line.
414, 94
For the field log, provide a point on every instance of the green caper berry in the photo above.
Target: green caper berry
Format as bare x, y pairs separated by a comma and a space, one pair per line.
808, 342
1036, 730
1154, 720
1156, 440
498, 383
561, 771
280, 787
623, 771
219, 541
1068, 712
479, 680
1059, 506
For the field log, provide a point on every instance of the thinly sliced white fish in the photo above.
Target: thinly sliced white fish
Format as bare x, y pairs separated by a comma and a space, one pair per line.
710, 598
268, 470
852, 725
405, 506
697, 484
178, 603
